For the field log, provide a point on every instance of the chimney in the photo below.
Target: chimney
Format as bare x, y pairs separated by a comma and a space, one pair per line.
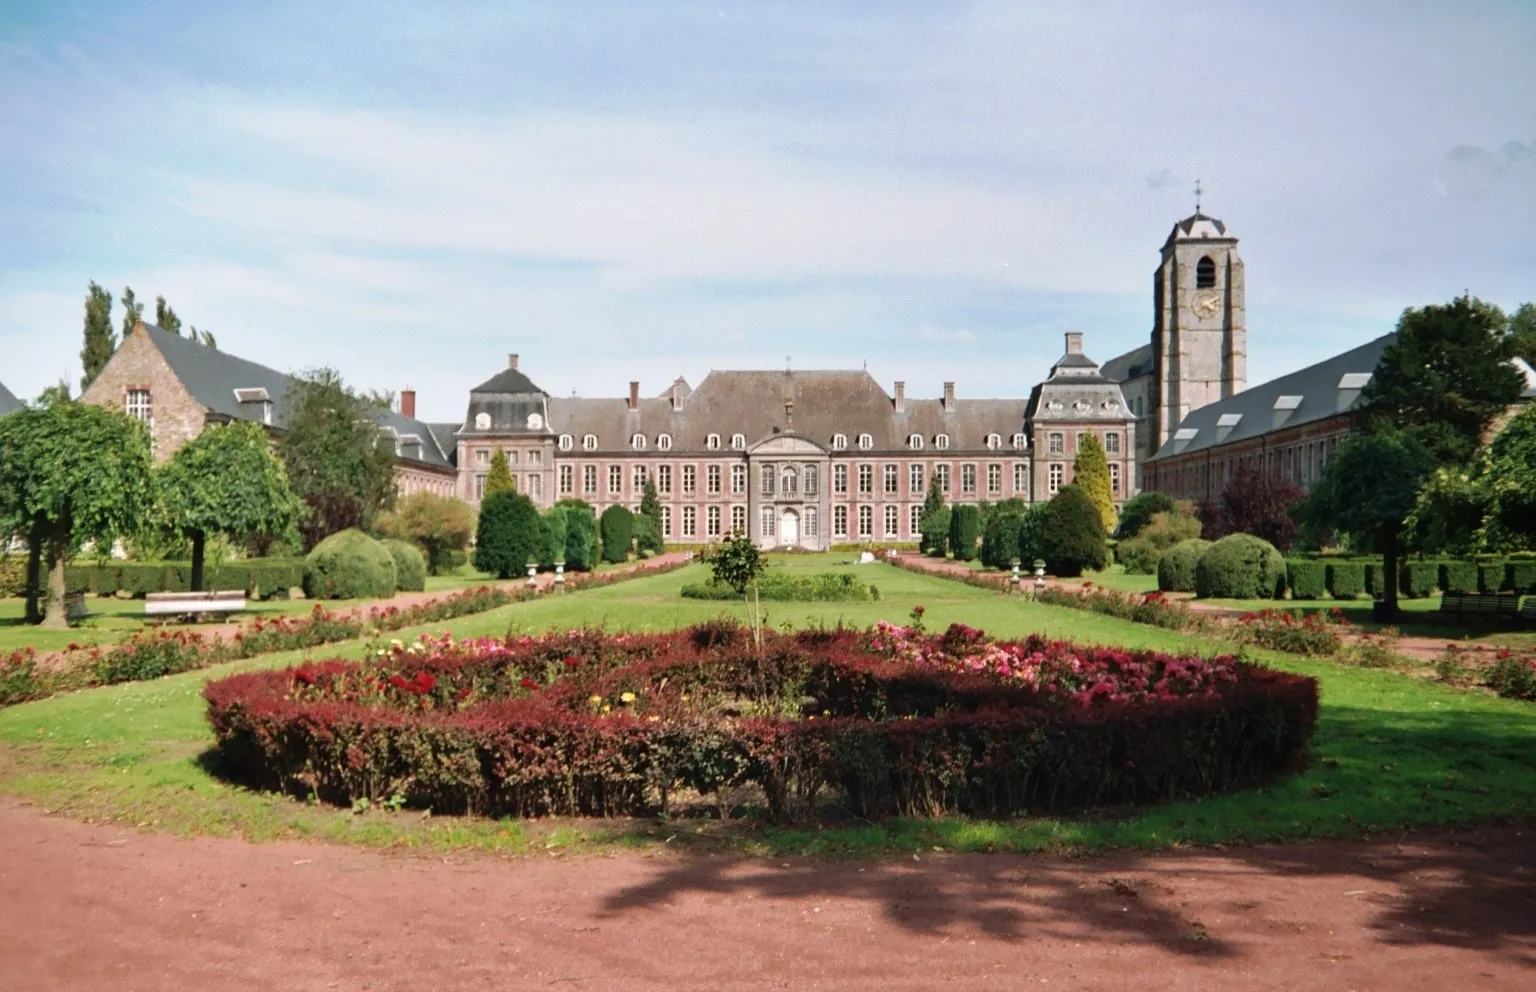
511, 361
949, 397
677, 394
1074, 342
634, 395
901, 397
138, 325
408, 403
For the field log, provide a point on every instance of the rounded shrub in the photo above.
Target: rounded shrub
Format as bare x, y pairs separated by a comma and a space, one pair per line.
410, 565
964, 531
617, 527
1240, 566
1176, 568
349, 565
1073, 538
510, 534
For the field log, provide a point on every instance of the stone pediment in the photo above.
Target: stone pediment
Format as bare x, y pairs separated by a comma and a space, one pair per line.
786, 444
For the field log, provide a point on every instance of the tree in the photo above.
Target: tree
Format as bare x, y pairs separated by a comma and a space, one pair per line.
964, 529
1074, 537
1139, 511
100, 340
70, 473
436, 524
1257, 504
336, 458
1000, 538
1090, 473
133, 311
224, 481
933, 522
510, 534
1522, 332
1490, 507
1368, 488
738, 563
499, 478
617, 530
650, 509
581, 549
1445, 378
166, 319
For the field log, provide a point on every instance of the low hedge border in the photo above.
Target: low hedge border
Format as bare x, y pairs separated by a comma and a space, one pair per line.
897, 722
827, 587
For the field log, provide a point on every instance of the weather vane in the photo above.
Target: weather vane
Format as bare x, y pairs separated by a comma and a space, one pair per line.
1198, 191
786, 363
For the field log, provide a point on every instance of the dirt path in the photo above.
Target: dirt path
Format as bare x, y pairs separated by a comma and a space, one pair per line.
107, 908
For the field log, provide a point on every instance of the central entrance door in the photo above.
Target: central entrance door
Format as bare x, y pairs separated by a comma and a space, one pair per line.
789, 528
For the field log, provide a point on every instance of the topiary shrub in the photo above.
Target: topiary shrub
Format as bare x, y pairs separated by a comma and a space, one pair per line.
1240, 566
647, 536
580, 539
1492, 577
349, 565
1417, 579
1458, 576
1176, 568
964, 530
617, 528
554, 525
1307, 579
410, 565
1522, 575
1000, 539
935, 531
1375, 580
510, 534
1346, 579
1073, 538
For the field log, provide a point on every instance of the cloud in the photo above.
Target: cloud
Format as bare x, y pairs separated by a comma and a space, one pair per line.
1158, 180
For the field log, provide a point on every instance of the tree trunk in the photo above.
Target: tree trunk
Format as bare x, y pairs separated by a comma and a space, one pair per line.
1386, 610
58, 560
34, 590
198, 546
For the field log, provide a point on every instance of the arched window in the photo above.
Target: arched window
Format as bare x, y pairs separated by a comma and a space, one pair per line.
567, 442
941, 442
866, 442
839, 442
1018, 442
994, 442
664, 442
788, 482
738, 442
915, 442
712, 442
637, 442
1205, 273
482, 421
589, 442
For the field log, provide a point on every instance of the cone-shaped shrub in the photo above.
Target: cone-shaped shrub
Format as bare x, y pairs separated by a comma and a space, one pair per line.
510, 535
1073, 537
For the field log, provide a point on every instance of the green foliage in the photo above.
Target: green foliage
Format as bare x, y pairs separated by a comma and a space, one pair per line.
1513, 677
827, 587
581, 543
553, 522
510, 535
1522, 575
1240, 566
933, 521
410, 566
1000, 538
1346, 579
439, 525
1074, 538
1419, 578
166, 319
334, 451
1176, 568
349, 565
1140, 509
133, 311
648, 535
964, 529
617, 529
1307, 579
1445, 378
1090, 473
737, 563
1458, 576
1032, 536
1522, 332
1141, 553
1492, 577
100, 340
499, 478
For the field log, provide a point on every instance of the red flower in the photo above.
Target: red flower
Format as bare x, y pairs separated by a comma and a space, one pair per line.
530, 685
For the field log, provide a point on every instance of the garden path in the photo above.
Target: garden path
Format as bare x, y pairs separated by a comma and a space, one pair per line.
107, 907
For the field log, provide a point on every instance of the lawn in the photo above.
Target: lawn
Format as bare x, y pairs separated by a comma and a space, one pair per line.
1390, 751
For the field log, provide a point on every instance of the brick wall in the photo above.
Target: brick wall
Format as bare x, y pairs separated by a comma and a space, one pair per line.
175, 417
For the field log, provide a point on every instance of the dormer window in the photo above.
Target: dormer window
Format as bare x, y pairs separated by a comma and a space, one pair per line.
664, 442
567, 442
866, 442
589, 442
994, 442
941, 442
839, 442
1018, 442
637, 442
712, 442
915, 442
1054, 405
482, 421
738, 442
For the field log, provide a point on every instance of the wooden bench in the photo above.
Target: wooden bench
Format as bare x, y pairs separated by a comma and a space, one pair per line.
160, 604
1463, 606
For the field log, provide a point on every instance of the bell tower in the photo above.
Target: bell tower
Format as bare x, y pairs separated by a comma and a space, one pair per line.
1199, 335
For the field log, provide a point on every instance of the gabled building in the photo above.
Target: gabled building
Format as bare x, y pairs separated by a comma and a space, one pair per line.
1076, 400
8, 401
178, 386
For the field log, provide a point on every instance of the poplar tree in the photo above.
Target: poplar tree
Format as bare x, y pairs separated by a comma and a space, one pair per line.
499, 478
1090, 473
133, 311
100, 341
165, 317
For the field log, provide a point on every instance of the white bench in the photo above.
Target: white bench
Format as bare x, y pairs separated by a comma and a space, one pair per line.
191, 603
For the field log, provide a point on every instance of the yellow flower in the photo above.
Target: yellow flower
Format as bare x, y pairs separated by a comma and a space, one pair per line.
595, 700
607, 708
626, 697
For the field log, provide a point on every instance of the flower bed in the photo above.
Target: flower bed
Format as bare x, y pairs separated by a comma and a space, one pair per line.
1153, 608
1318, 635
149, 655
895, 721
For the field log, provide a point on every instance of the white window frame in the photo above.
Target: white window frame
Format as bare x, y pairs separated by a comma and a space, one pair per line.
738, 442
690, 480
712, 520
916, 478
690, 521
890, 479
738, 479
1053, 477
712, 442
968, 479
914, 520
738, 519
589, 480
766, 522
1114, 479
994, 477
664, 442
1020, 477
892, 521
810, 522
637, 441
994, 442
712, 479
615, 480
840, 520
567, 480
1020, 442
1056, 443
666, 521
866, 521
915, 442
839, 442
567, 443
664, 480
839, 478
866, 479
866, 442
941, 442
589, 442
1112, 443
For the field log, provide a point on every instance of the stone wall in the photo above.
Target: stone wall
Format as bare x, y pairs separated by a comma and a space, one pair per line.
175, 416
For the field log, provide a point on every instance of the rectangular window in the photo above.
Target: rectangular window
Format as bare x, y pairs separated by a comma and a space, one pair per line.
1112, 443
589, 480
712, 480
666, 521
738, 520
941, 472
664, 479
866, 521
738, 480
1053, 478
892, 479
1114, 478
1056, 444
787, 485
690, 479
810, 521
535, 458
712, 520
511, 454
479, 488
866, 479
567, 480
968, 479
137, 405
915, 478
482, 456
914, 520
840, 479
812, 480
615, 479
767, 478
892, 519
640, 476
840, 521
767, 521
994, 478
690, 521
1020, 477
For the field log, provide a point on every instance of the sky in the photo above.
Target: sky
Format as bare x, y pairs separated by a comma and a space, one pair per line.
936, 191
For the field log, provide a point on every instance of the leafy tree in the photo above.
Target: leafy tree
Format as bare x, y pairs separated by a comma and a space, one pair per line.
933, 522
1090, 473
1368, 488
617, 530
1522, 331
1445, 378
436, 524
1032, 535
100, 340
335, 454
1000, 537
133, 311
166, 319
70, 473
57, 393
1490, 507
1074, 538
1141, 553
1257, 504
224, 481
384, 399
964, 529
206, 337
1140, 509
738, 563
581, 546
510, 534
499, 478
650, 509
555, 523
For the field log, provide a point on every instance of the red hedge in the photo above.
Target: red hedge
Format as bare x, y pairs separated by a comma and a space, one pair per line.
582, 724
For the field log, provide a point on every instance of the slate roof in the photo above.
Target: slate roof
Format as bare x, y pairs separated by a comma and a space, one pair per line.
1077, 390
1136, 362
8, 401
1307, 395
752, 403
507, 381
1197, 226
212, 376
513, 403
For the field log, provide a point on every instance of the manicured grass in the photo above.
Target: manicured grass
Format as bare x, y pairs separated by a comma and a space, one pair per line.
1390, 751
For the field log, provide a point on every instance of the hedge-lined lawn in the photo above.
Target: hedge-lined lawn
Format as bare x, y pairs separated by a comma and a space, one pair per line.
1391, 751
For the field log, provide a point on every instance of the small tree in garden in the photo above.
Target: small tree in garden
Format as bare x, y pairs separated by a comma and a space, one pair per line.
1000, 538
499, 478
1489, 507
650, 509
436, 524
1090, 473
1139, 510
1257, 504
70, 473
335, 456
581, 545
1073, 538
618, 529
933, 522
738, 563
964, 530
510, 534
1141, 553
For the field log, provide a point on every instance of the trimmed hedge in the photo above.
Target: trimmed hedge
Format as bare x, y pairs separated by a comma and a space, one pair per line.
1417, 579
616, 526
410, 565
1375, 580
1307, 579
1240, 566
580, 724
1346, 579
1522, 576
1492, 577
349, 565
259, 578
1176, 568
828, 587
1458, 576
